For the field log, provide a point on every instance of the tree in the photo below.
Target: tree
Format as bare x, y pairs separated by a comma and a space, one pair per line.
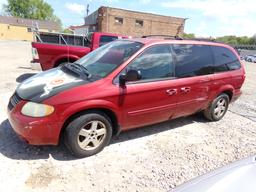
31, 9
233, 40
66, 30
188, 35
253, 39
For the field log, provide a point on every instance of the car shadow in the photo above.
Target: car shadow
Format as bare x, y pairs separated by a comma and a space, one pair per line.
13, 147
24, 76
157, 128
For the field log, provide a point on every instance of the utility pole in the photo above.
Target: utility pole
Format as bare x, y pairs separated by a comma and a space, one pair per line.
87, 10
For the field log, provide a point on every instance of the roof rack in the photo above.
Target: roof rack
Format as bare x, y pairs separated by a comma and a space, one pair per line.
165, 36
61, 38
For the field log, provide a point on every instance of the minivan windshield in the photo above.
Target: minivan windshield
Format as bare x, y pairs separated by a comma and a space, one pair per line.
104, 60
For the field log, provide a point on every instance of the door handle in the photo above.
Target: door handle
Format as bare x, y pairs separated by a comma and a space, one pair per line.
171, 91
185, 89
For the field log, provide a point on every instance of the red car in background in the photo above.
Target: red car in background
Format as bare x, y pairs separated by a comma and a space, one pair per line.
55, 49
123, 85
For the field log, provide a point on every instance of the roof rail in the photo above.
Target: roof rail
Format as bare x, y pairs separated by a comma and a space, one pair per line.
165, 36
201, 39
180, 38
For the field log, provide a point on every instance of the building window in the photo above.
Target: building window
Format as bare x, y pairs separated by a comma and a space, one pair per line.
29, 29
119, 20
139, 23
8, 26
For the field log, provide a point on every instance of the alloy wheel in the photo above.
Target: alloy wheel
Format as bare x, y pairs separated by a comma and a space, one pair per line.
220, 108
92, 135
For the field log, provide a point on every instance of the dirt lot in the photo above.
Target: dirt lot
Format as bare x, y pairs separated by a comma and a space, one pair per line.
154, 158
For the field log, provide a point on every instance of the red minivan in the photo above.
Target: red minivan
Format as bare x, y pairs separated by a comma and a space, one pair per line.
123, 85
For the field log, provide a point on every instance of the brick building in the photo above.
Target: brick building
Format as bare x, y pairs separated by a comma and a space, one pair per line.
136, 24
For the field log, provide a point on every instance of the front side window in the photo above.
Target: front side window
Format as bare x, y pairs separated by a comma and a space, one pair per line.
225, 60
105, 59
106, 39
192, 60
154, 63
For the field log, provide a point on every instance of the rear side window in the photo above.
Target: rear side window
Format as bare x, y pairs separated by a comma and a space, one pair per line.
225, 60
192, 60
154, 63
106, 39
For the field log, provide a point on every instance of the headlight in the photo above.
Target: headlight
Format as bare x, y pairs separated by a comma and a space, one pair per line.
36, 110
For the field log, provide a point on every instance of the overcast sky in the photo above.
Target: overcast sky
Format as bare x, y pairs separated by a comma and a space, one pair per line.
206, 17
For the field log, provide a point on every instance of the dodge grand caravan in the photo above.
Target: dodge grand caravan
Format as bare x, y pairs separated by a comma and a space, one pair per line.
123, 85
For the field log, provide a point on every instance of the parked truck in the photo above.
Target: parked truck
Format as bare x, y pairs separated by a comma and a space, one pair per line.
55, 49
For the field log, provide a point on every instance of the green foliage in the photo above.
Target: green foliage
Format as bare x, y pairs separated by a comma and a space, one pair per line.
230, 39
188, 35
233, 40
31, 9
67, 31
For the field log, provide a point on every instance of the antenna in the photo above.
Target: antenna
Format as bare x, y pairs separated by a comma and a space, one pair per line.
87, 10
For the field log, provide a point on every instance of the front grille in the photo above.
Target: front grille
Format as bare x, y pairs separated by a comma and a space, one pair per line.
14, 100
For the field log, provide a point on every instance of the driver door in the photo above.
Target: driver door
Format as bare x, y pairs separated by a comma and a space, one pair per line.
152, 98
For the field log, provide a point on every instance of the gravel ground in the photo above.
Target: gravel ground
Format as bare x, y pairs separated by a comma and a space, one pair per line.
154, 158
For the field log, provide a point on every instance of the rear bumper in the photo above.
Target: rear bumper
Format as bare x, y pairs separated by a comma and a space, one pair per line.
237, 93
35, 131
35, 65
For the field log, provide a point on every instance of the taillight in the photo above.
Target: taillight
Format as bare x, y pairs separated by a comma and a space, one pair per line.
34, 54
244, 77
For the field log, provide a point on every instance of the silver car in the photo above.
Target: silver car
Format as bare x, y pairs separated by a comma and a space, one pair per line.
250, 58
236, 177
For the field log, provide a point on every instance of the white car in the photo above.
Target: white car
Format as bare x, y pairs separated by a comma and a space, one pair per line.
250, 58
236, 177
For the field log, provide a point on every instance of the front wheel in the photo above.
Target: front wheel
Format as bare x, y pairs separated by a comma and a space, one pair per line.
88, 134
217, 108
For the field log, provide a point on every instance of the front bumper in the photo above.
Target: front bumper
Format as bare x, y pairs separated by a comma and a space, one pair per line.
35, 131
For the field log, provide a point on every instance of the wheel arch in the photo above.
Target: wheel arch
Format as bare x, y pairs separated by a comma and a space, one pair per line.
229, 93
108, 112
62, 59
227, 89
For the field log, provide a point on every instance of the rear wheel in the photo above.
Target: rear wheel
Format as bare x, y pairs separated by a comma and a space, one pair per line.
218, 108
88, 134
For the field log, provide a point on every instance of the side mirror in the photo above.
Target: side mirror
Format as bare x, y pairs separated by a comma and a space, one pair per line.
131, 75
122, 79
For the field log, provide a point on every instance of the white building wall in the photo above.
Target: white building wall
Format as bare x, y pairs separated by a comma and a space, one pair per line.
81, 31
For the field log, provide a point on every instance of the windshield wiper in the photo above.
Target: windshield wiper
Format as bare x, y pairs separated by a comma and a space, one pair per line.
83, 68
77, 69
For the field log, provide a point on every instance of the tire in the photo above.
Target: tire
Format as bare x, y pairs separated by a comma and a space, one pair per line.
217, 108
88, 134
249, 60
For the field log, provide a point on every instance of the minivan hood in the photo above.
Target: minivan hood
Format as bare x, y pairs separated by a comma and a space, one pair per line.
46, 84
